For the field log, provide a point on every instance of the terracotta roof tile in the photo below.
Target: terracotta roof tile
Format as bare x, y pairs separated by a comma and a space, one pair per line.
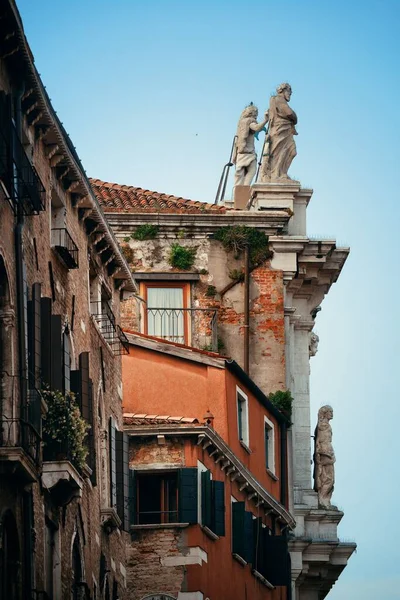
126, 198
144, 419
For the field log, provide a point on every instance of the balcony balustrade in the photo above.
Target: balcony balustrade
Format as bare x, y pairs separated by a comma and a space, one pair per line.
111, 332
65, 247
194, 326
20, 444
21, 183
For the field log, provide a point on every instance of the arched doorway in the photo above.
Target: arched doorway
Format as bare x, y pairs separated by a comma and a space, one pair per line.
9, 558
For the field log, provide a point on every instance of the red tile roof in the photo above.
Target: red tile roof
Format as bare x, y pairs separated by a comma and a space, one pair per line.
128, 199
177, 344
145, 419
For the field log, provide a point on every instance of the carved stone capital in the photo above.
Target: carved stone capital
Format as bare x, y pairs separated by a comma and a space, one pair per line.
7, 318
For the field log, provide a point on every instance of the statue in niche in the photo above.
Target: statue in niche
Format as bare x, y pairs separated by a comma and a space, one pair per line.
313, 345
280, 147
244, 154
324, 458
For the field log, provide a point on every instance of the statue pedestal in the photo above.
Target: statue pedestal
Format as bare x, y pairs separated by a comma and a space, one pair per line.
276, 195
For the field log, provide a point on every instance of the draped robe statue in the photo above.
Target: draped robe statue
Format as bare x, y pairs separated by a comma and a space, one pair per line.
324, 458
280, 148
244, 155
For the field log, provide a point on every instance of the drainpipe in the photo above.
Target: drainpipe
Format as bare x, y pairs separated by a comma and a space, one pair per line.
283, 465
27, 498
246, 348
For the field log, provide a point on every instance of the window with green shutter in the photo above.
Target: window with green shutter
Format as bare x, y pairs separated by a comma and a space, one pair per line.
242, 532
212, 504
277, 568
188, 495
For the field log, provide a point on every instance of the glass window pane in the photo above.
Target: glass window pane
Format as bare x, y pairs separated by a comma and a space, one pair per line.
165, 315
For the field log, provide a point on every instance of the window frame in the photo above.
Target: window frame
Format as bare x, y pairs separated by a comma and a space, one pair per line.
163, 475
242, 415
269, 452
145, 285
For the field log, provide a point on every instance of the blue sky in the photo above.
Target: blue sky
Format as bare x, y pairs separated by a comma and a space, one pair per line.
151, 92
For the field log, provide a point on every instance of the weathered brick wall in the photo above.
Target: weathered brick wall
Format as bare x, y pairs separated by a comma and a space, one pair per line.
214, 266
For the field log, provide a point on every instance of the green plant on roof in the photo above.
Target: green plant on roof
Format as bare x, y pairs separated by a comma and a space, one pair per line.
145, 232
283, 401
182, 258
235, 239
211, 291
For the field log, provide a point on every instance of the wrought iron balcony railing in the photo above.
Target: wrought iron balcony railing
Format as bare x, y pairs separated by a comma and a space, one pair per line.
65, 247
18, 433
111, 332
19, 177
197, 326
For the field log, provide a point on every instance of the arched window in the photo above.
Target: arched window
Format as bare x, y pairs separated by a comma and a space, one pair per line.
6, 328
9, 558
76, 571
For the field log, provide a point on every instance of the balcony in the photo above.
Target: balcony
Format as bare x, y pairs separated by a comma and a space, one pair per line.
190, 326
20, 445
65, 247
107, 324
21, 183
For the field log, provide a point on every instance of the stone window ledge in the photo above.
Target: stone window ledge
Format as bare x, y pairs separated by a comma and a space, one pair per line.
272, 475
213, 536
258, 576
245, 447
110, 519
159, 526
240, 560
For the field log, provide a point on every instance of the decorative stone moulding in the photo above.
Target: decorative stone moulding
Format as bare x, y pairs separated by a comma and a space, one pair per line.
62, 480
110, 520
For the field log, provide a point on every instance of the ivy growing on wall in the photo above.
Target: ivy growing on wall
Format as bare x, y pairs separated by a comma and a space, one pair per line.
181, 257
283, 401
236, 238
146, 231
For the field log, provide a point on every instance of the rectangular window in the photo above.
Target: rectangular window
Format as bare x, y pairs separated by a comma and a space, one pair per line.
212, 503
157, 498
269, 433
167, 311
242, 531
243, 416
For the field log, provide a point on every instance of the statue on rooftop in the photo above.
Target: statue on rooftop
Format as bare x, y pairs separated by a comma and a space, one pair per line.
244, 155
324, 458
280, 148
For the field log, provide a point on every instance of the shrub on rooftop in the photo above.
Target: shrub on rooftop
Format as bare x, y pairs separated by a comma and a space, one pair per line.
182, 258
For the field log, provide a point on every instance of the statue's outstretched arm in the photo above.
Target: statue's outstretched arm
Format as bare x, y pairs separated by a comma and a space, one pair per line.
256, 127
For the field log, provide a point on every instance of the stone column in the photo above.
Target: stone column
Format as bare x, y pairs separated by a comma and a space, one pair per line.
300, 370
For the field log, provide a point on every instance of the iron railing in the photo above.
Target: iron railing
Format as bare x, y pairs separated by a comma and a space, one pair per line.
65, 247
21, 181
19, 433
111, 332
174, 324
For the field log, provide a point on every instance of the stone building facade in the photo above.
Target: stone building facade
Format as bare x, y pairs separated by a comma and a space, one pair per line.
209, 496
218, 310
62, 277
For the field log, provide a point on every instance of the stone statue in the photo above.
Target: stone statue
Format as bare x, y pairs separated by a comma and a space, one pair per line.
244, 154
324, 458
280, 148
313, 345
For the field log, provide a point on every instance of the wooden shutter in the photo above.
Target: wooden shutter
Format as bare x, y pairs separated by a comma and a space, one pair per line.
91, 438
248, 537
84, 401
113, 469
66, 362
45, 336
259, 545
277, 560
56, 354
34, 337
122, 477
188, 494
132, 497
218, 507
206, 499
238, 528
6, 171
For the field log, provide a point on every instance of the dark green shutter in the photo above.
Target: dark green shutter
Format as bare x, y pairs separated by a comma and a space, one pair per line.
122, 477
45, 307
259, 545
83, 398
91, 438
66, 362
248, 537
238, 512
6, 171
56, 353
132, 497
277, 560
206, 500
34, 338
113, 473
188, 494
218, 507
